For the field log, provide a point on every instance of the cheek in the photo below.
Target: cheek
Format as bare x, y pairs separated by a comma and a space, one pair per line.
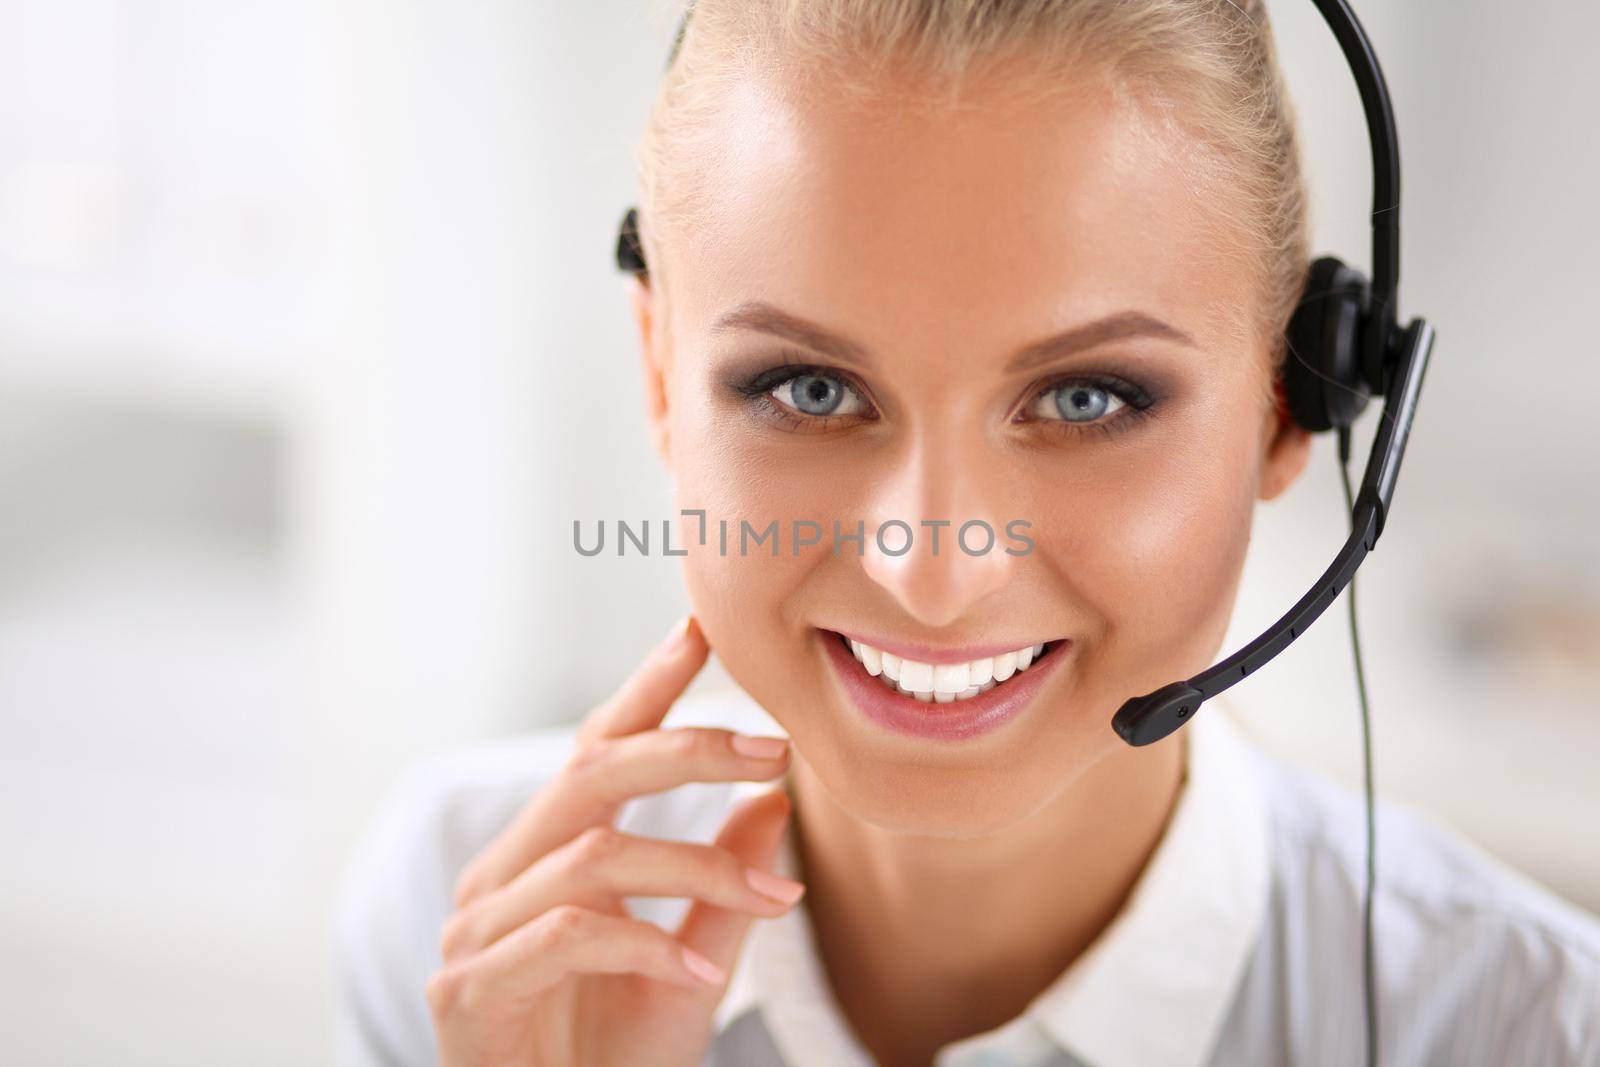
1151, 550
740, 471
745, 602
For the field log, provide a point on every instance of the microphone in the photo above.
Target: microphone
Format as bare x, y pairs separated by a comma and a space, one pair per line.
1151, 717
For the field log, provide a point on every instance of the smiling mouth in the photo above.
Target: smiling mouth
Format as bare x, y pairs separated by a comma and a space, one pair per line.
944, 683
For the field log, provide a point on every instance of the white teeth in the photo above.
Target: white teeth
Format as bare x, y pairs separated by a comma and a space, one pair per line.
942, 683
950, 677
917, 677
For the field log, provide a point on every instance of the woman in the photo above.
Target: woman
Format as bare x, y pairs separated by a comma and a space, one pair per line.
1025, 265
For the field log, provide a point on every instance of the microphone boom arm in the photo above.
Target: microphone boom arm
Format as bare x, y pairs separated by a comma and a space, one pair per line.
1153, 716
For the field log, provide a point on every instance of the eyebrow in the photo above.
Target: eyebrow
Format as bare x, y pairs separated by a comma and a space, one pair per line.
762, 317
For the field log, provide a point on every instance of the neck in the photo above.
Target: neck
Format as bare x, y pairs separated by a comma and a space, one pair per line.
927, 940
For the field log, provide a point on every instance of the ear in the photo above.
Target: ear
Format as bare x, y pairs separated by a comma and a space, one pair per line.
651, 363
1285, 446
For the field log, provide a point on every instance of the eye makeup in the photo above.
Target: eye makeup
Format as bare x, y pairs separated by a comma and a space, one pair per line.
769, 391
763, 393
1136, 402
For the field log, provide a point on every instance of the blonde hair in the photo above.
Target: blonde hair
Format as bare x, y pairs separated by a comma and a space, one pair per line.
1212, 63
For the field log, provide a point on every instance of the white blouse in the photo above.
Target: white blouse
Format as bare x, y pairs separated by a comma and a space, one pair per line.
1240, 943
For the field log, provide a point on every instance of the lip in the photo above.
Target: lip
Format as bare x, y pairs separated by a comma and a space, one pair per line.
929, 654
955, 721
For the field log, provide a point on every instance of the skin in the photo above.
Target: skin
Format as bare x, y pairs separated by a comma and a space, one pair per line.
542, 965
950, 882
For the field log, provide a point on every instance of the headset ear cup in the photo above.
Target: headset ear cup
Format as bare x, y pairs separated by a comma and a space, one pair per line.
629, 251
1322, 366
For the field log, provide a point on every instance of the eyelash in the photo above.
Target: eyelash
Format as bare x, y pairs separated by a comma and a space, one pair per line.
758, 391
1137, 403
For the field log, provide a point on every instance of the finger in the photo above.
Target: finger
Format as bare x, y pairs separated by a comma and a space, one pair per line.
564, 941
594, 784
753, 833
644, 699
612, 771
655, 684
597, 869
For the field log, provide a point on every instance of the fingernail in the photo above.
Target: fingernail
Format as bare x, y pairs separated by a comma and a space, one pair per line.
772, 885
759, 747
679, 633
702, 968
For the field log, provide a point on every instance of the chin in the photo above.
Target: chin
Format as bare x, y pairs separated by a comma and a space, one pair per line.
939, 783
905, 796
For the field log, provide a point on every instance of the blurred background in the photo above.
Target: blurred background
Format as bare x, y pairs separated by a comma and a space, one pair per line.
312, 348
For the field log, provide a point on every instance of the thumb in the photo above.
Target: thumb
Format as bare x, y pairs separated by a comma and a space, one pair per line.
752, 832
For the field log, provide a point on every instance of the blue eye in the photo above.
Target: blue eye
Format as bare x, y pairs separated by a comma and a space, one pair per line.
1090, 402
1076, 401
818, 395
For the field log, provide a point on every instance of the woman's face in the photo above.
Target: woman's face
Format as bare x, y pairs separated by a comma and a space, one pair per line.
913, 262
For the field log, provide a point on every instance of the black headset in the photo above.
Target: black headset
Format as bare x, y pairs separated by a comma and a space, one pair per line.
1344, 346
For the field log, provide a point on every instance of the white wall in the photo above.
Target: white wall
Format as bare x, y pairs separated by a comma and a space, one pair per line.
306, 310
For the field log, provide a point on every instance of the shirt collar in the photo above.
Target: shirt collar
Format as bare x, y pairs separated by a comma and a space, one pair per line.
1152, 991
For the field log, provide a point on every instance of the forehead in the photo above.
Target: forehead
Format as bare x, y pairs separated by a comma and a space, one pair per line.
1016, 212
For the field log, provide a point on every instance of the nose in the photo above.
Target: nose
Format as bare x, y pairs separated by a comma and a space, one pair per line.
936, 542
